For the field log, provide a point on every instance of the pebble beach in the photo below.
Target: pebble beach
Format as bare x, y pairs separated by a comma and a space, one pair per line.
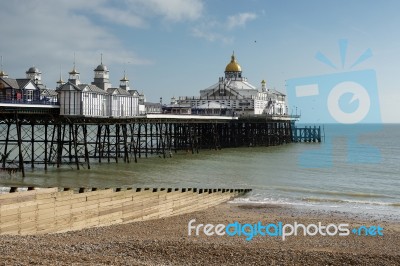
166, 242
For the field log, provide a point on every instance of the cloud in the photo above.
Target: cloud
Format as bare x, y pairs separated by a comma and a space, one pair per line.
211, 36
138, 13
46, 33
172, 10
214, 31
122, 17
239, 20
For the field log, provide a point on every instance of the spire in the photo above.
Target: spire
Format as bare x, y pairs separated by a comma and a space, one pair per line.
74, 71
74, 74
60, 81
2, 73
124, 78
101, 58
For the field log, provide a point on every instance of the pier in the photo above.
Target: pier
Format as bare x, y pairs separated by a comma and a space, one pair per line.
47, 140
79, 124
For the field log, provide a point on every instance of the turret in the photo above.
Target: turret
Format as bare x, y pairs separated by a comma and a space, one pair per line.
101, 76
35, 75
263, 86
74, 76
124, 83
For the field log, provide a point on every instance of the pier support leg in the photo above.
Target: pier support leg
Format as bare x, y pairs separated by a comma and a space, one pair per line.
19, 137
5, 155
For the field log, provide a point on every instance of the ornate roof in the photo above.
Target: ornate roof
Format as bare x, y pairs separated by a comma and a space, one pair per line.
33, 70
101, 67
233, 66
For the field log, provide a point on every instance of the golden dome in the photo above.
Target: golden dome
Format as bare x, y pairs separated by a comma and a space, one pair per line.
233, 66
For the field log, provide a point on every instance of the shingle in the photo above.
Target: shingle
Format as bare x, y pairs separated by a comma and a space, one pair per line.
22, 82
92, 88
68, 87
118, 91
49, 92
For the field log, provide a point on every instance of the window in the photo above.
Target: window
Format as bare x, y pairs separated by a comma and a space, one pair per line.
8, 94
29, 95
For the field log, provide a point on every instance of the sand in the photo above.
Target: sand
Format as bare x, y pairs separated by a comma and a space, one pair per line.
166, 242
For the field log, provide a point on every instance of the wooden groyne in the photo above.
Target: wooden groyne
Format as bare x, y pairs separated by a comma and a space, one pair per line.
51, 210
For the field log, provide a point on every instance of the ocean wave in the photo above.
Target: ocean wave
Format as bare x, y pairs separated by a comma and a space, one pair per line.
252, 200
314, 202
331, 200
336, 193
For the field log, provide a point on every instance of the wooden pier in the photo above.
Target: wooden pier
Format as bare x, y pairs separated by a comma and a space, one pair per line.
29, 141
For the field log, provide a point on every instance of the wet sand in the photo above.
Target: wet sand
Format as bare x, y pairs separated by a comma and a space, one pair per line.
166, 242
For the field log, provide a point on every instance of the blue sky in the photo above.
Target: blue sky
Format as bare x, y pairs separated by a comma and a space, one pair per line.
177, 47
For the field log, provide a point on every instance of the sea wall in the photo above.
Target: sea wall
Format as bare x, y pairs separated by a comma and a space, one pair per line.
54, 210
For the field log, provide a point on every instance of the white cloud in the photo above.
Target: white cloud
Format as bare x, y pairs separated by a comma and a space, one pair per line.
239, 20
47, 33
211, 36
137, 13
214, 31
122, 17
173, 10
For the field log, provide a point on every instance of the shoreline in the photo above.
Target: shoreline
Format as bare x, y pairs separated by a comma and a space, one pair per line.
165, 241
343, 211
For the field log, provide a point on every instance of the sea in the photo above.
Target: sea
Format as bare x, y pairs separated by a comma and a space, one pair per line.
355, 169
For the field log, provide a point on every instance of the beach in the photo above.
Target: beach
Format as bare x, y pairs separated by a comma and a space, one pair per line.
166, 242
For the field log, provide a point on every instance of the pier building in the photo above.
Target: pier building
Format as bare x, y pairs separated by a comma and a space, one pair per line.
233, 94
98, 99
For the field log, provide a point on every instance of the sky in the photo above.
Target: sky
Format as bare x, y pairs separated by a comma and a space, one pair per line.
178, 47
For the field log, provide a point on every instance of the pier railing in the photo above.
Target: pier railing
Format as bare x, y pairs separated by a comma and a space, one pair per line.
46, 101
